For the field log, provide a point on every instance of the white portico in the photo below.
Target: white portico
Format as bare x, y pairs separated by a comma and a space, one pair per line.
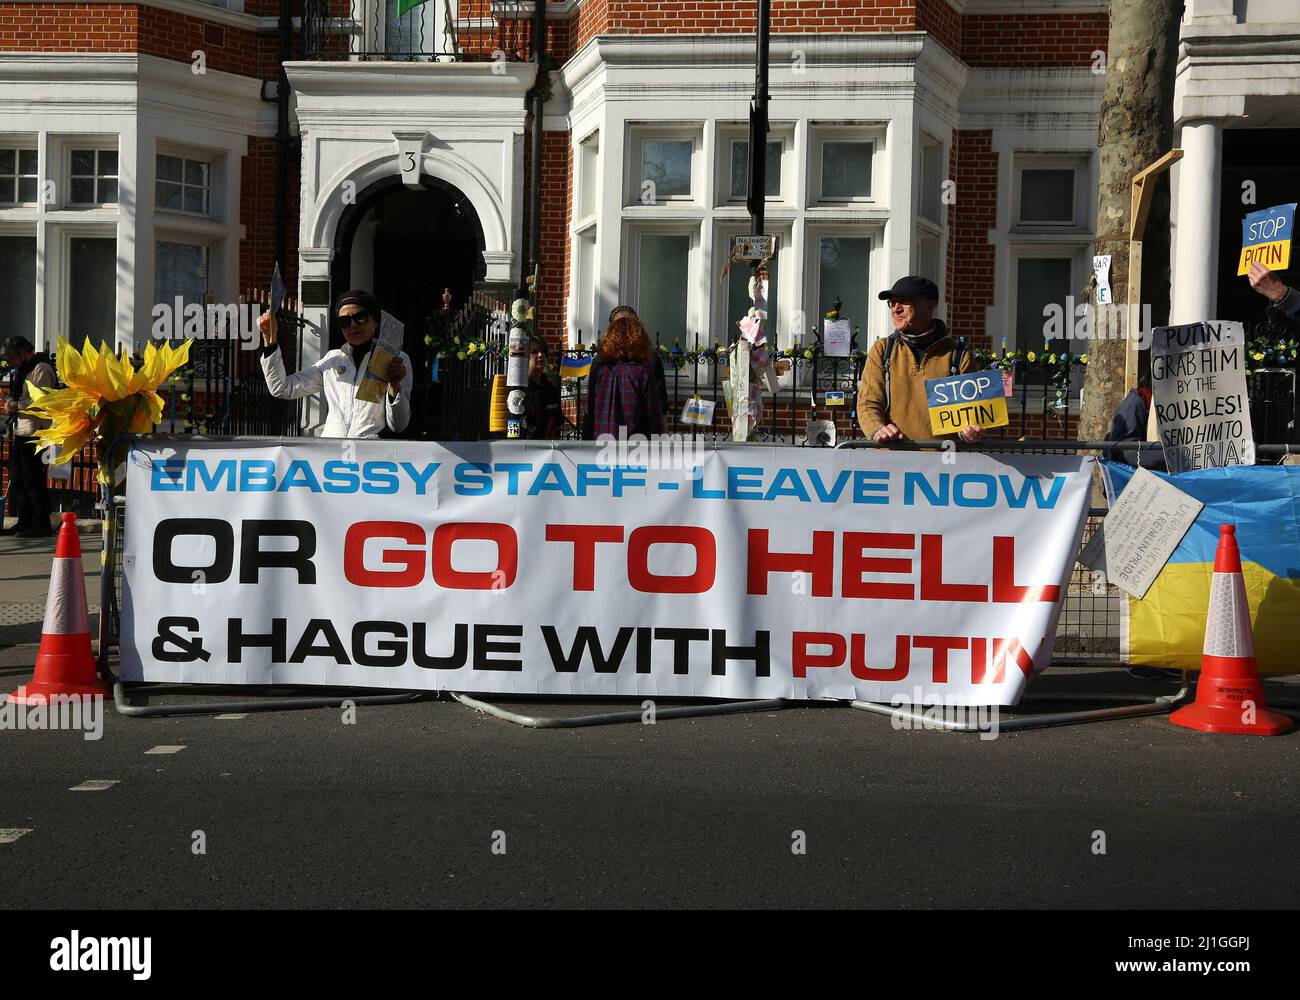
451, 131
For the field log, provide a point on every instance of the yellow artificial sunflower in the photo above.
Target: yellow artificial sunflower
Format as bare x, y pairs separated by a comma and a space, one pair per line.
104, 397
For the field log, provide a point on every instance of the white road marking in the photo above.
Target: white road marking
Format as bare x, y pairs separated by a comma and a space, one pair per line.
230, 718
166, 749
95, 785
9, 835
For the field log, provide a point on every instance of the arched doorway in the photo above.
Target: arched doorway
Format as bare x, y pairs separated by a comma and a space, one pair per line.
408, 245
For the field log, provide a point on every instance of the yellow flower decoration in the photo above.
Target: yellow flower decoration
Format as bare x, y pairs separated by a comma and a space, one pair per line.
1257, 355
1031, 356
104, 397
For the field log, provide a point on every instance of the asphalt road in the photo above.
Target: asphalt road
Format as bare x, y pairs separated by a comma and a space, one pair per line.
403, 808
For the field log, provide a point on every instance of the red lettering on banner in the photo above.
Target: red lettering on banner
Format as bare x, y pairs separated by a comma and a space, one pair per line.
932, 586
638, 549
939, 646
801, 659
856, 564
820, 562
584, 538
902, 660
411, 560
1001, 647
1005, 590
446, 576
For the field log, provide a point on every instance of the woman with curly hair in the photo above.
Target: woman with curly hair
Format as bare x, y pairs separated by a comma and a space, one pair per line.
624, 398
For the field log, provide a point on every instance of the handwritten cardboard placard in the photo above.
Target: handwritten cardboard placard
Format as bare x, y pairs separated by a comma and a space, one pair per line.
1198, 388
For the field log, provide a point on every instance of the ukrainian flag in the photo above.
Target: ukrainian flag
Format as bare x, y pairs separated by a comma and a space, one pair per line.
575, 366
1167, 627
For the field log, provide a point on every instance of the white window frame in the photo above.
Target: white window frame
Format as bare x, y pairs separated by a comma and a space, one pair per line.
926, 142
69, 144
18, 145
630, 279
729, 133
587, 177
212, 161
638, 135
213, 247
779, 326
1080, 261
812, 272
28, 230
819, 134
1078, 163
58, 248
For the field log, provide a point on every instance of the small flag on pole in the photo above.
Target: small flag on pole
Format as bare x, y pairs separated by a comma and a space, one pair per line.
572, 366
404, 5
277, 290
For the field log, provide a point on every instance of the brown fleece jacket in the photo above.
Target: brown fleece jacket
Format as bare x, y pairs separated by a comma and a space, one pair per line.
908, 409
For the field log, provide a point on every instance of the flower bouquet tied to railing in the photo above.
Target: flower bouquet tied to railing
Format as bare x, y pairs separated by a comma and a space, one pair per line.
103, 398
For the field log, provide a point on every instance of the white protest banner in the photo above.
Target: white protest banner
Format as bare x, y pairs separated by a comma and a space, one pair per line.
1198, 388
1140, 532
636, 568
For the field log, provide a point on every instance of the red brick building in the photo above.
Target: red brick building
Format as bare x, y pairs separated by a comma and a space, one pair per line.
169, 148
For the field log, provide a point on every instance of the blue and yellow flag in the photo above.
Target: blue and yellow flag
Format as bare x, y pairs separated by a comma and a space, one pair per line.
1266, 238
975, 399
1167, 627
575, 366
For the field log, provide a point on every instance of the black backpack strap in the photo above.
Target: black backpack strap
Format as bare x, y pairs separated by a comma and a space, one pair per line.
954, 364
886, 353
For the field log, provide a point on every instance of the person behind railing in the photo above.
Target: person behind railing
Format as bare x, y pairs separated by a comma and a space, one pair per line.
1275, 290
340, 371
892, 404
1129, 423
656, 362
623, 399
27, 473
543, 414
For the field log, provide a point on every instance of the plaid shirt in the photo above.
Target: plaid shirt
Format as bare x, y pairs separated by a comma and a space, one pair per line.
622, 395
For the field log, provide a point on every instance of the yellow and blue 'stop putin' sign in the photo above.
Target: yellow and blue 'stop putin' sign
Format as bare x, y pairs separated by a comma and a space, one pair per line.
975, 399
1266, 238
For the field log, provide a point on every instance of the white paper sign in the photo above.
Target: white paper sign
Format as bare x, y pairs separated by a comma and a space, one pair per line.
1198, 387
698, 412
1101, 268
1140, 533
821, 433
837, 334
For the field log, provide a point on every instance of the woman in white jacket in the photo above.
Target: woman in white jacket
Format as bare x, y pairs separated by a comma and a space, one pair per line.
340, 371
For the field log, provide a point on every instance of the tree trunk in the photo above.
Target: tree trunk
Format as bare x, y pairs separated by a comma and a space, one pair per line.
1136, 129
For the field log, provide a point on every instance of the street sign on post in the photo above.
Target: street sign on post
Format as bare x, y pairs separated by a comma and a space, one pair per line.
753, 248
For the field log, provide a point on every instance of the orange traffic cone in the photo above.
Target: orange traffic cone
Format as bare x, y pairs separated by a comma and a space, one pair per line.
1229, 695
64, 665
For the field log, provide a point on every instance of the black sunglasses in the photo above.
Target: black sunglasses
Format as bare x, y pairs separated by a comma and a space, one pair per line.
357, 317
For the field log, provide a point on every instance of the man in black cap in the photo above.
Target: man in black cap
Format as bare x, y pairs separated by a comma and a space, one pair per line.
340, 371
892, 403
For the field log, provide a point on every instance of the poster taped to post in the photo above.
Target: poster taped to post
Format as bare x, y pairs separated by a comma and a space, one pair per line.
638, 568
1198, 390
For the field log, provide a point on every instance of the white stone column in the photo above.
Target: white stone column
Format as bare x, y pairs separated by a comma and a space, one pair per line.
1196, 270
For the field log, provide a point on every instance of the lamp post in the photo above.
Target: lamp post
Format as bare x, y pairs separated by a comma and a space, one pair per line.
755, 201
